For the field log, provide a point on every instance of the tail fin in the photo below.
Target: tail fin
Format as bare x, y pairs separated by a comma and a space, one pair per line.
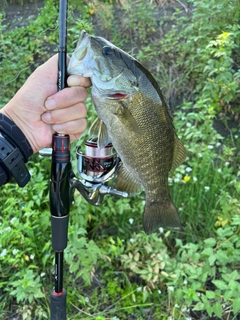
157, 215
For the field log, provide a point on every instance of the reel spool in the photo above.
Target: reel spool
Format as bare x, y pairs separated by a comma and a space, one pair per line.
95, 163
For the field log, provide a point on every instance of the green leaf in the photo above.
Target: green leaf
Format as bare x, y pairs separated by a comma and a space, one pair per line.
199, 306
210, 294
228, 295
208, 308
207, 252
217, 309
236, 305
212, 259
145, 295
220, 284
210, 242
143, 271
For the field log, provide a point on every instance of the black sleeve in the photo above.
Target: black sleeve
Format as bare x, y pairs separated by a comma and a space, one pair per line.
9, 129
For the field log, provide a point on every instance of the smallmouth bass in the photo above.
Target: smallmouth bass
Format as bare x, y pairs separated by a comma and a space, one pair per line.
134, 116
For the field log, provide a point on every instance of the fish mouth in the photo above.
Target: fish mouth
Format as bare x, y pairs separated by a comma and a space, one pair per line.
79, 54
117, 96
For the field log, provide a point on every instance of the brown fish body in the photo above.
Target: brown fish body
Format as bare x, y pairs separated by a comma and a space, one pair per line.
136, 119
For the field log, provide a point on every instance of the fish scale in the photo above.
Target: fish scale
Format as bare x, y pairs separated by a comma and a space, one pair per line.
134, 116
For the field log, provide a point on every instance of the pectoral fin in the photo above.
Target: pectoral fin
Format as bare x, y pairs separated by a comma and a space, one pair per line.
125, 116
98, 129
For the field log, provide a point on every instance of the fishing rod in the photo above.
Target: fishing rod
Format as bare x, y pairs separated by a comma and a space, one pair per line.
96, 167
59, 192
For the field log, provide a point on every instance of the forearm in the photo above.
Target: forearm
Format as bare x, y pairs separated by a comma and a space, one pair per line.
17, 139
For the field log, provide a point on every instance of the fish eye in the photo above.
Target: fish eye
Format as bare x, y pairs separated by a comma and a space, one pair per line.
107, 51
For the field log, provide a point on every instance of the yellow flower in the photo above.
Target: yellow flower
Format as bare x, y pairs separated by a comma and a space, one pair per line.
186, 178
221, 222
225, 35
91, 11
26, 257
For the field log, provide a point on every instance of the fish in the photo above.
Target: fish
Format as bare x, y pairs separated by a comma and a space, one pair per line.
133, 115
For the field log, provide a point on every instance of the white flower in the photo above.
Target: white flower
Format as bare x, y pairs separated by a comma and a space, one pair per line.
176, 306
188, 169
171, 288
161, 230
185, 281
170, 180
236, 136
227, 163
139, 289
219, 170
210, 147
86, 299
42, 274
218, 144
15, 251
195, 179
176, 180
200, 155
3, 253
131, 221
32, 256
207, 188
131, 240
12, 220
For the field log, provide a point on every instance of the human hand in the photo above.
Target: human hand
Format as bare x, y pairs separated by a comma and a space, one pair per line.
39, 110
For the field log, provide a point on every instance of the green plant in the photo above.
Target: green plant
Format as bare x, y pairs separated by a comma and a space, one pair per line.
201, 277
27, 288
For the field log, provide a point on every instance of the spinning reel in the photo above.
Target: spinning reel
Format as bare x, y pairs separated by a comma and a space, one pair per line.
96, 168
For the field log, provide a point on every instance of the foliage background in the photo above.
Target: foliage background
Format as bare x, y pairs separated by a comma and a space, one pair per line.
113, 270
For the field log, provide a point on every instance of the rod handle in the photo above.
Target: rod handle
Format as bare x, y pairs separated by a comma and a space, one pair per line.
59, 232
58, 305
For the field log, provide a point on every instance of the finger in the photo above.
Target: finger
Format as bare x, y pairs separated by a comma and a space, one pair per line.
75, 136
74, 112
81, 81
71, 127
66, 98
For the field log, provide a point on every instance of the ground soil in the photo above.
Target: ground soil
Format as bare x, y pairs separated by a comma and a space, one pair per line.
16, 15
